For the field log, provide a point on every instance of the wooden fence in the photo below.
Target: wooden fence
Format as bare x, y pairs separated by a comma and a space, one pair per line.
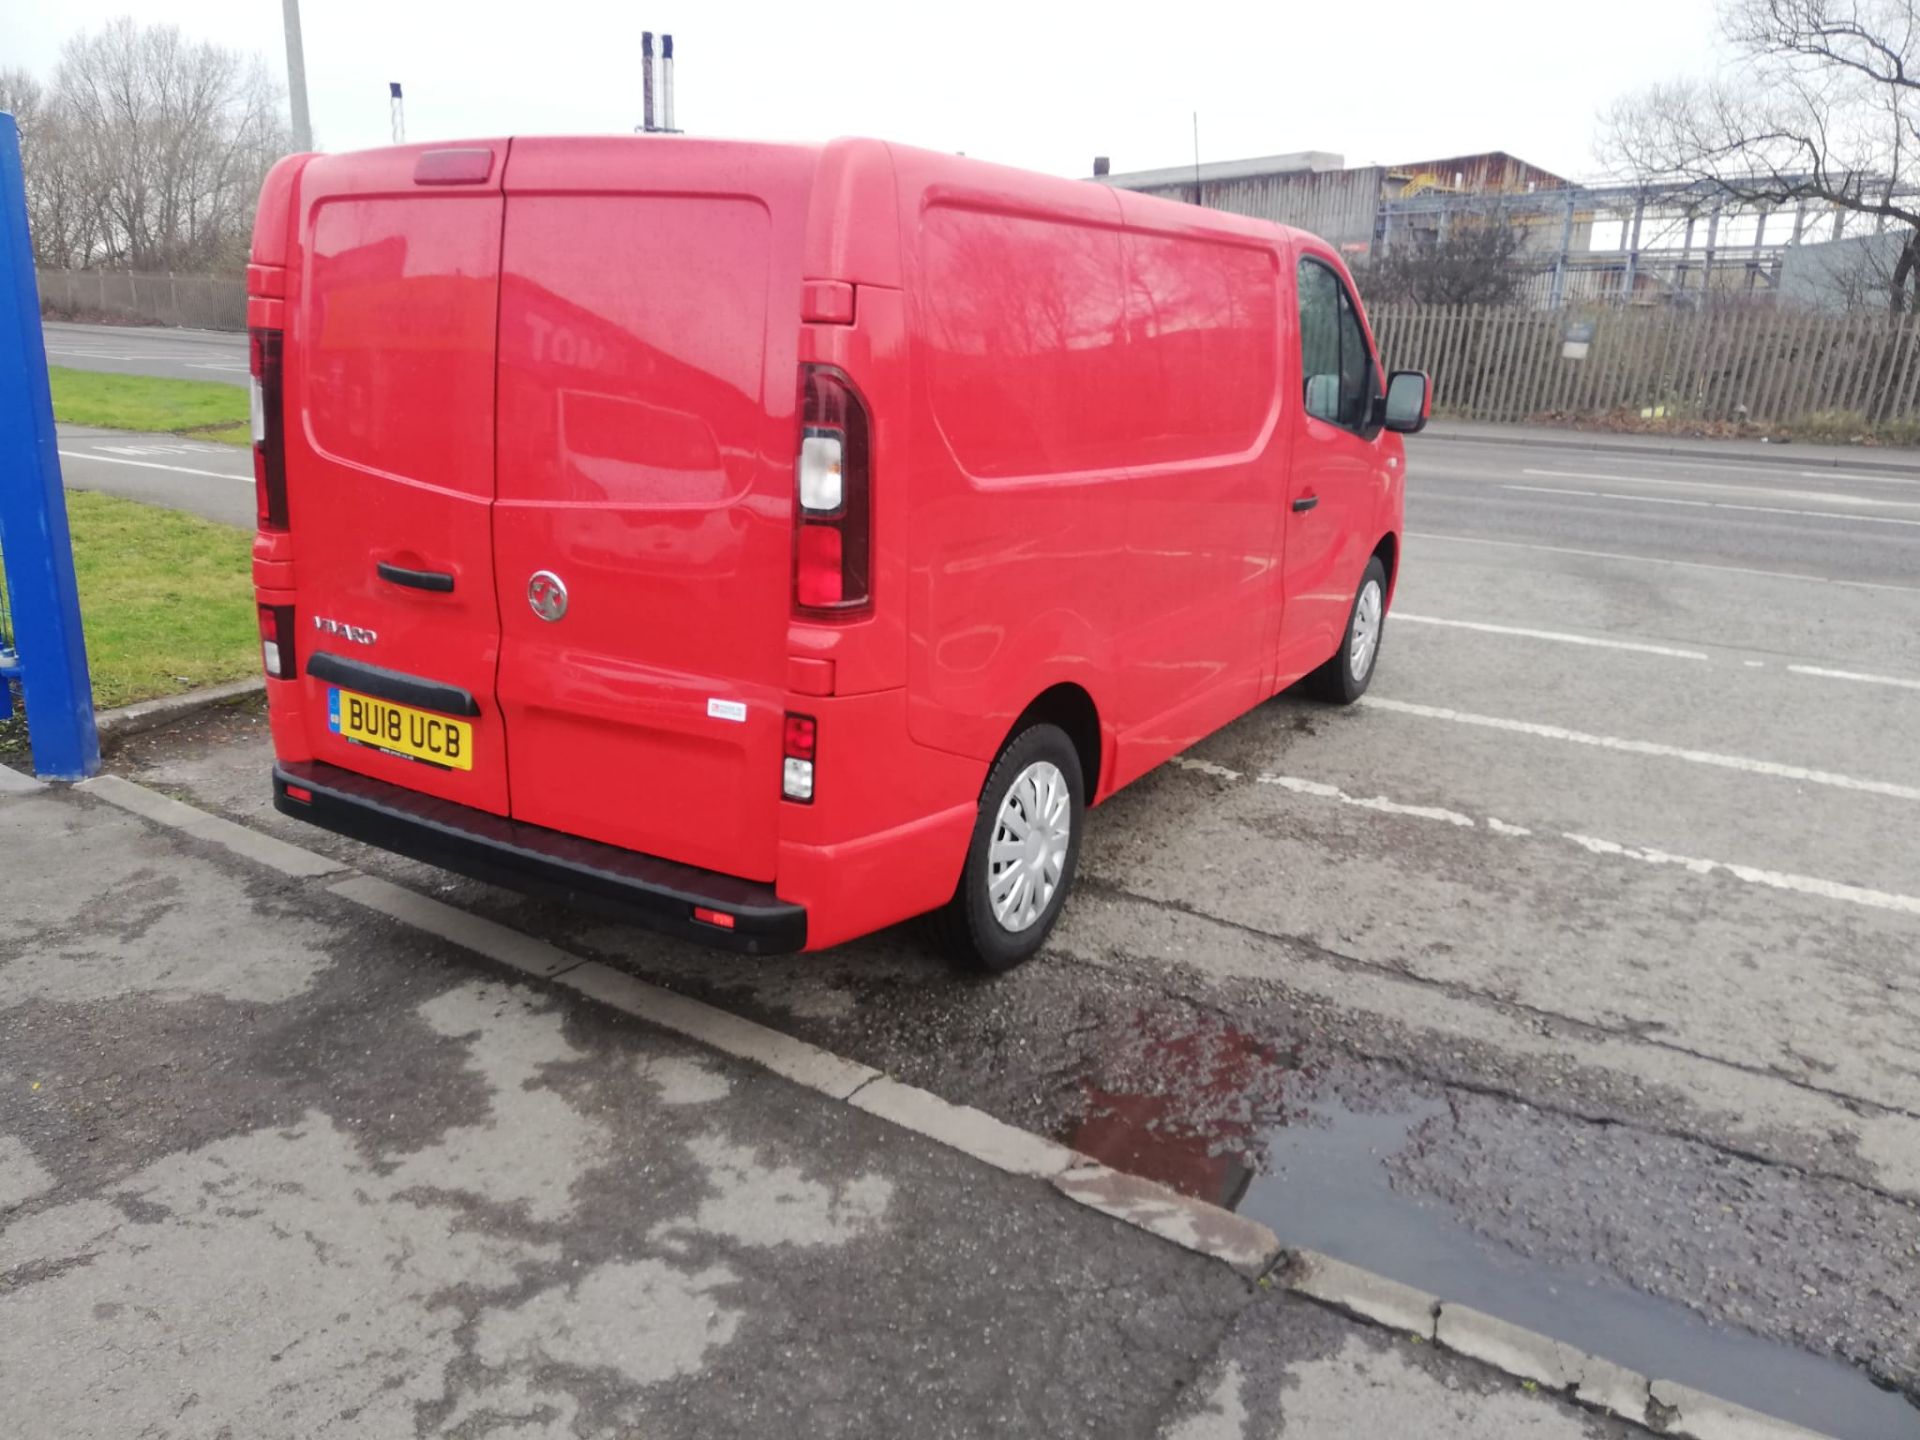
1717, 363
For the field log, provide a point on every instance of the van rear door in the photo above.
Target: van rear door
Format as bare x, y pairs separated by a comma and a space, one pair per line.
389, 378
649, 325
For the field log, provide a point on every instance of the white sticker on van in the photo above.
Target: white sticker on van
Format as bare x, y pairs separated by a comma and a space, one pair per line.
726, 710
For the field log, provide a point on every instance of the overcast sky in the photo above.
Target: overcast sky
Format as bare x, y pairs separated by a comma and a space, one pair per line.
1033, 84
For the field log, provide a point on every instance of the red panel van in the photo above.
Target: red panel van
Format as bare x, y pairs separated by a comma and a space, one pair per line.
772, 543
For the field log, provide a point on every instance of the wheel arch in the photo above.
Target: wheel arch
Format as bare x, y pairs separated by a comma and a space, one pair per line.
1070, 707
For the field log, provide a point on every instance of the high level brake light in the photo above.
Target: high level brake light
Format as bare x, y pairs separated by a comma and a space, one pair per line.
834, 526
269, 434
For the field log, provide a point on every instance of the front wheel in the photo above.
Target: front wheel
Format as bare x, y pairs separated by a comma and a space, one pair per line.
1020, 862
1344, 678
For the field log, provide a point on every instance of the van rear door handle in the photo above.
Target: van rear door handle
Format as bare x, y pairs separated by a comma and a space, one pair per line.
1305, 502
436, 580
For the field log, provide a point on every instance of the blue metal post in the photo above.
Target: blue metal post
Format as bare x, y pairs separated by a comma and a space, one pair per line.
33, 509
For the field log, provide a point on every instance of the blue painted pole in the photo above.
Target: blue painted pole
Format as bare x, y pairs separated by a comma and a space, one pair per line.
33, 509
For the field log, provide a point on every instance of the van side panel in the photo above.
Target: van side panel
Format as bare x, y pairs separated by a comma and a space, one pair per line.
1210, 468
392, 293
649, 320
1099, 466
1018, 523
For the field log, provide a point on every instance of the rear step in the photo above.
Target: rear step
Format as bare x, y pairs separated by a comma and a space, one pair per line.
732, 914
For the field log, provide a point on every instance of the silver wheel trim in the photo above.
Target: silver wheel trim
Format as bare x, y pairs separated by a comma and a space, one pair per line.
1365, 640
1027, 851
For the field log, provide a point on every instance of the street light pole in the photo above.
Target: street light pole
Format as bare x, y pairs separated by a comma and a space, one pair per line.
297, 77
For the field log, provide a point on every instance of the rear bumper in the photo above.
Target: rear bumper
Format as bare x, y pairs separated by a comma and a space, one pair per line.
583, 873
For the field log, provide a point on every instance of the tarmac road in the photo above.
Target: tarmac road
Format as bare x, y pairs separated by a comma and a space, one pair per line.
1577, 969
148, 350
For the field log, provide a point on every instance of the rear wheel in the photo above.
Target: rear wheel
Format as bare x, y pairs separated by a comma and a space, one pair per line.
1344, 678
1020, 863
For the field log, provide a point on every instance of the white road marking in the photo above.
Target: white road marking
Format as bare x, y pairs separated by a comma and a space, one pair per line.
1673, 652
1204, 767
1719, 505
1743, 763
1661, 560
1364, 802
1823, 496
1613, 849
1754, 875
155, 465
1558, 635
1852, 675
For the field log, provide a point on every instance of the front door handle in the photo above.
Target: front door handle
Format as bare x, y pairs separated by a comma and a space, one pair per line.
1305, 502
436, 580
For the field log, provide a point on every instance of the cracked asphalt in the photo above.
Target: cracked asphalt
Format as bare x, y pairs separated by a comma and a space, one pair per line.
274, 1165
1610, 886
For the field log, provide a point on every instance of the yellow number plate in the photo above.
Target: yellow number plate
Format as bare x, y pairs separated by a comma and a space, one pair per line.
400, 729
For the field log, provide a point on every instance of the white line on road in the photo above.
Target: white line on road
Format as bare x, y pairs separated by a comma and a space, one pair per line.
1366, 802
1610, 849
1661, 560
1204, 767
1558, 635
1826, 496
1855, 675
1719, 505
1744, 763
1754, 875
155, 465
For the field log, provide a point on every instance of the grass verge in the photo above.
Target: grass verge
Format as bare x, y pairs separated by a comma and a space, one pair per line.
203, 409
165, 599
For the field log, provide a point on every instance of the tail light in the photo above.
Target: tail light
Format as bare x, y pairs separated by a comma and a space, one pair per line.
276, 642
834, 523
798, 737
269, 435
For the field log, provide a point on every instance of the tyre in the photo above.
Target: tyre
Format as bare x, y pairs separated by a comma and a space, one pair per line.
1020, 863
1344, 678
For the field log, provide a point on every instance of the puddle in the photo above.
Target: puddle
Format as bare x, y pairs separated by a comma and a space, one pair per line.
1213, 1114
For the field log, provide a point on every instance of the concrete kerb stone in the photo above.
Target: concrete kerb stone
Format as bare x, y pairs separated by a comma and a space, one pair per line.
250, 844
497, 942
151, 714
1249, 1247
1361, 1293
15, 782
785, 1056
1681, 449
1699, 1416
1246, 1245
963, 1128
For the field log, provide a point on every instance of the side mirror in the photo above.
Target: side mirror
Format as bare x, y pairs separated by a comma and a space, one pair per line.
1409, 401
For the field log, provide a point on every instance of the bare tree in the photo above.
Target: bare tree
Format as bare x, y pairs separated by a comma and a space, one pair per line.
61, 214
146, 150
1820, 102
1475, 263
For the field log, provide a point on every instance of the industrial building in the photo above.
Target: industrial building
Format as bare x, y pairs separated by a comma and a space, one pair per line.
1617, 244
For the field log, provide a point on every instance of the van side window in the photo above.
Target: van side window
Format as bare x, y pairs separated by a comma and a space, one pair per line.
1337, 371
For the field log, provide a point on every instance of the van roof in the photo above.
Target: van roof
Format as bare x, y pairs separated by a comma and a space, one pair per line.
963, 170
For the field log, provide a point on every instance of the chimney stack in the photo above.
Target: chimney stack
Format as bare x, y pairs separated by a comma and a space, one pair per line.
666, 83
1101, 165
646, 81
